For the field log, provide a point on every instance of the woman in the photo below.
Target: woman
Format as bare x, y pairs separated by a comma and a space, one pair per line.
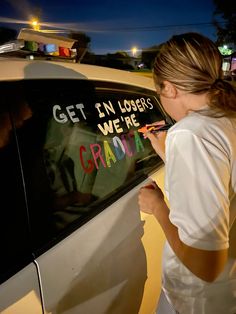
199, 151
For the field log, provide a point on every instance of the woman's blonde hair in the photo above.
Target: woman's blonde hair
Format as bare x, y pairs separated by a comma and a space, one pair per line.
193, 64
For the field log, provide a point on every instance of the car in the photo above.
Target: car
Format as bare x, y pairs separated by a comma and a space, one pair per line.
72, 162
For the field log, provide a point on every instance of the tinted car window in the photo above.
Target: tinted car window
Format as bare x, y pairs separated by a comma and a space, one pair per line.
14, 229
81, 150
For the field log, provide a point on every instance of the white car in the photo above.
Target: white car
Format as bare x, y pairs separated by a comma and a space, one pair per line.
72, 238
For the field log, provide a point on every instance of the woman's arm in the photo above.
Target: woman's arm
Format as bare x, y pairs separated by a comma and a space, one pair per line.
205, 264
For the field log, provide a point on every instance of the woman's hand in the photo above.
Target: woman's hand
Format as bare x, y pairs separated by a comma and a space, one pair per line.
158, 142
151, 200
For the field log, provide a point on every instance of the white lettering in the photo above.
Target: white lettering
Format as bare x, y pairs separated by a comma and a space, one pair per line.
133, 118
61, 118
117, 126
100, 114
80, 107
109, 107
107, 127
71, 113
149, 102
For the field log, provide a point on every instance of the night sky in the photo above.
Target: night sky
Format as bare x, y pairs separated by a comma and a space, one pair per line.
117, 25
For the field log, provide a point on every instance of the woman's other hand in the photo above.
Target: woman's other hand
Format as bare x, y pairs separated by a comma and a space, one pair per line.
151, 199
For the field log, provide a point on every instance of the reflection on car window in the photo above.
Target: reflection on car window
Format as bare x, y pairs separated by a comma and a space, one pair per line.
14, 229
81, 150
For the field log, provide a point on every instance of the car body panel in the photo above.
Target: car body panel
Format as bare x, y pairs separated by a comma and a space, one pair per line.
21, 293
97, 266
21, 69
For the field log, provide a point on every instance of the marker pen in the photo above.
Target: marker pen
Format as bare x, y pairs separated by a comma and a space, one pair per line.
154, 128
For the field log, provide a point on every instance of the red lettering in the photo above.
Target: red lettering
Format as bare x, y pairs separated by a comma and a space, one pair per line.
90, 168
97, 154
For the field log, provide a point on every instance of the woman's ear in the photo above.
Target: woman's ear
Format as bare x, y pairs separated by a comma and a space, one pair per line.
168, 90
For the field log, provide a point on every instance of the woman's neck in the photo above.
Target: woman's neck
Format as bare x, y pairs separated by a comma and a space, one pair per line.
193, 102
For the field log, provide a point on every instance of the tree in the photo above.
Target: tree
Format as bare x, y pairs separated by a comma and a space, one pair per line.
225, 11
122, 54
149, 55
83, 39
7, 34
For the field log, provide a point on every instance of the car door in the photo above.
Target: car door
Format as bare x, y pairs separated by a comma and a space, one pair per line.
84, 161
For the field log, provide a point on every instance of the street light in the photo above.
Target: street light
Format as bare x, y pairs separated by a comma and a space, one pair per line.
134, 51
35, 24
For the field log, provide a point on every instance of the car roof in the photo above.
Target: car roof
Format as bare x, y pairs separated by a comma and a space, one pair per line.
18, 69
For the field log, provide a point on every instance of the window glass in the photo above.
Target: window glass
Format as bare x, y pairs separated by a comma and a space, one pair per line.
81, 150
14, 231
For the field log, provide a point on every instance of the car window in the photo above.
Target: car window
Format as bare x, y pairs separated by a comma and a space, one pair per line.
81, 150
14, 228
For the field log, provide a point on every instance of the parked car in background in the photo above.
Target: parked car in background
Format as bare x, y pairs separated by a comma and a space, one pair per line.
72, 238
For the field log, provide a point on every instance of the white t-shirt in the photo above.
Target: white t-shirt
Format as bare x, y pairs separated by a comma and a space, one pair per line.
200, 185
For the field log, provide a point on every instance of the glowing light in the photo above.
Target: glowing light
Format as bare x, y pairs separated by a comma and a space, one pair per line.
134, 51
35, 24
225, 50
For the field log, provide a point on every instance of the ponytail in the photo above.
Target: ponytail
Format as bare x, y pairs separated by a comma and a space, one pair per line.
222, 99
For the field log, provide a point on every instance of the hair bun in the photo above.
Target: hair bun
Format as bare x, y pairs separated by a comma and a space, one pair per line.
222, 85
218, 84
217, 81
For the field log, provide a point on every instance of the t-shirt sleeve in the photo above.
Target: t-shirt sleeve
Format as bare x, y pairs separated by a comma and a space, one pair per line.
197, 180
